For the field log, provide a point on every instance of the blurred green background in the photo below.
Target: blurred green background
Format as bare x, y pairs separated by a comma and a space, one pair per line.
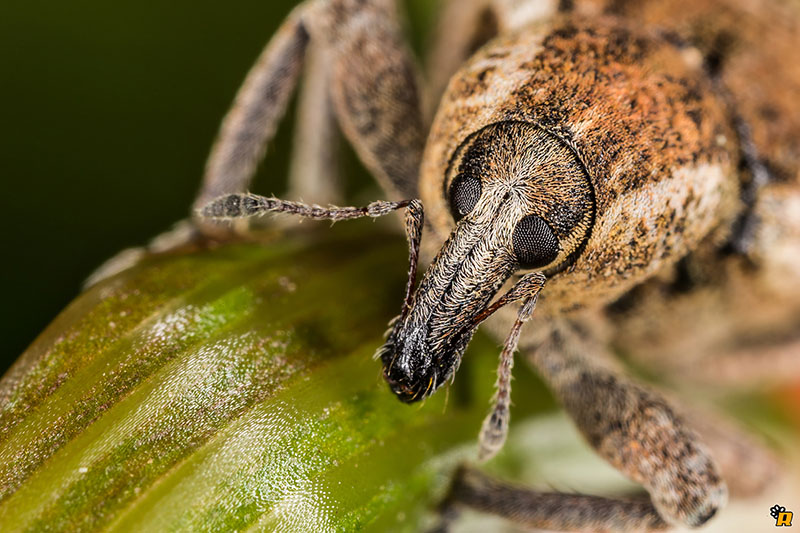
108, 112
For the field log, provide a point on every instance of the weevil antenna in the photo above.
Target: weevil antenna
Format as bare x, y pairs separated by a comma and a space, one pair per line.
246, 205
527, 287
495, 427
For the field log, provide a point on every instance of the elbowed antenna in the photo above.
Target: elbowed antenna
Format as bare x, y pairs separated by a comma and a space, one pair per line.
245, 205
495, 426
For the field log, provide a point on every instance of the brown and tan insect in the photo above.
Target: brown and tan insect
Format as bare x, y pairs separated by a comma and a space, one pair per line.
640, 158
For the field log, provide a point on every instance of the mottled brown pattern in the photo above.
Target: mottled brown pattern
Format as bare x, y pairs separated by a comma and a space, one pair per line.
637, 111
629, 104
753, 46
719, 320
632, 106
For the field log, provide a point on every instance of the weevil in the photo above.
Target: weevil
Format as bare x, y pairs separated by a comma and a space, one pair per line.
629, 168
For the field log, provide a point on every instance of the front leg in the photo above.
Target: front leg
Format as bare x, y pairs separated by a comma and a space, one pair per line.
633, 428
495, 427
372, 86
630, 426
373, 90
259, 105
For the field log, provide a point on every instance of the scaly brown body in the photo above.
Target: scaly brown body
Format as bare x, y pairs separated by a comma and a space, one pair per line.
640, 157
636, 111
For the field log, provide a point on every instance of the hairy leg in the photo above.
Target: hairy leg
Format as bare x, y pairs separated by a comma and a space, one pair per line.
552, 511
634, 428
238, 206
495, 427
745, 463
372, 86
371, 83
257, 109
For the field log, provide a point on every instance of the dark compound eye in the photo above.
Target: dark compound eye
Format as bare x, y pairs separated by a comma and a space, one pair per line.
464, 194
535, 245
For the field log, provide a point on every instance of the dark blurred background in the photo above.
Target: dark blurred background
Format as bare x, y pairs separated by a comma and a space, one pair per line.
108, 112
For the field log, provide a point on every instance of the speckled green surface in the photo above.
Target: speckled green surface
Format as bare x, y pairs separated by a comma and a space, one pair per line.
233, 389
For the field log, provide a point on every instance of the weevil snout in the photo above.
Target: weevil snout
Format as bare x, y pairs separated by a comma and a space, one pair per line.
425, 346
520, 199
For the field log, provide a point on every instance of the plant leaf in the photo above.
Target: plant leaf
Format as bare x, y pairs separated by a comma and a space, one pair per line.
231, 389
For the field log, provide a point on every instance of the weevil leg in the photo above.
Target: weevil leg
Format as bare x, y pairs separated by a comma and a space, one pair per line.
373, 88
257, 109
244, 205
238, 206
632, 427
240, 144
313, 173
746, 465
414, 221
551, 511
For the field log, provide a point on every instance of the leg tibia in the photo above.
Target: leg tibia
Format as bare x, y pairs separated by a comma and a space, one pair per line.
374, 88
313, 174
259, 106
553, 511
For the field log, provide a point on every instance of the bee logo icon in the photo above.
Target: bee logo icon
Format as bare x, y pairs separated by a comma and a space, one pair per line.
781, 515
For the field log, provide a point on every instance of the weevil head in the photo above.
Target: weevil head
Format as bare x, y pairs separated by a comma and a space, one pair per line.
520, 200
